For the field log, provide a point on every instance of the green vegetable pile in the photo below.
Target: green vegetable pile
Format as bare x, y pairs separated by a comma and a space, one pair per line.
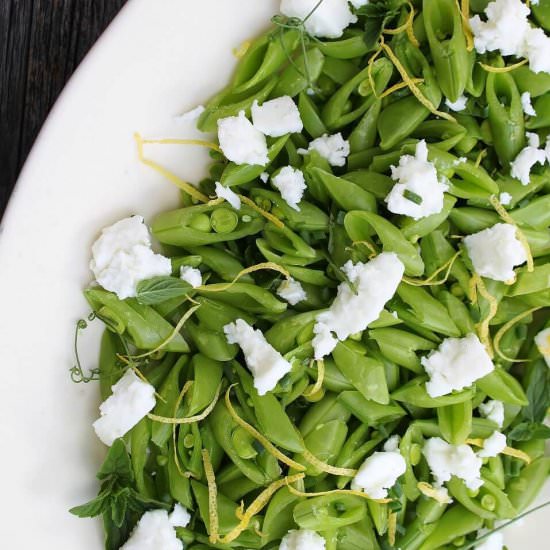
244, 464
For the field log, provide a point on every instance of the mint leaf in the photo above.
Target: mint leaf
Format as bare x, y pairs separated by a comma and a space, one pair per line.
378, 16
117, 464
538, 393
525, 431
159, 289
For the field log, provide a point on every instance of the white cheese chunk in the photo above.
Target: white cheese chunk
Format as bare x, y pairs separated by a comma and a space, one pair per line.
302, 539
291, 184
446, 460
264, 177
522, 165
240, 142
392, 444
191, 275
418, 177
333, 148
192, 115
153, 532
493, 410
493, 445
537, 45
526, 104
226, 193
456, 364
495, 541
379, 472
327, 21
542, 340
458, 105
277, 117
505, 198
352, 311
292, 291
495, 252
122, 257
130, 401
180, 517
267, 365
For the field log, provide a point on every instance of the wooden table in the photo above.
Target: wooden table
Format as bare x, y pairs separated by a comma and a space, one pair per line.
41, 44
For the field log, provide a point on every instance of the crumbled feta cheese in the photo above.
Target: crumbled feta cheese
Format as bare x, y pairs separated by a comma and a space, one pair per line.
122, 257
277, 117
179, 517
191, 275
333, 148
456, 364
446, 460
266, 364
458, 105
493, 542
291, 291
493, 445
505, 198
495, 251
418, 177
392, 444
291, 184
527, 158
537, 45
493, 410
379, 473
353, 310
191, 116
542, 340
528, 108
131, 400
302, 539
327, 21
153, 532
264, 176
226, 193
240, 142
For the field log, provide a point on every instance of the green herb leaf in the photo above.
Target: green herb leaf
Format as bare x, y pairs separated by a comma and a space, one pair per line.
159, 289
526, 431
377, 17
538, 393
117, 464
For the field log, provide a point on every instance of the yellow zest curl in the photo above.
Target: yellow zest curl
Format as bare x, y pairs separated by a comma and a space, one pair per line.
510, 451
503, 213
482, 154
509, 68
400, 86
505, 328
184, 390
483, 325
324, 467
429, 491
448, 265
178, 182
361, 494
267, 215
407, 27
256, 506
370, 246
413, 87
175, 141
320, 378
392, 527
464, 9
269, 447
369, 72
240, 52
213, 523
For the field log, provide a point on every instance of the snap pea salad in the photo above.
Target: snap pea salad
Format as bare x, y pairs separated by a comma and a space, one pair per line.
250, 465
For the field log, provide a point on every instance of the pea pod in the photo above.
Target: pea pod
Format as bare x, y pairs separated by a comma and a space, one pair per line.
288, 242
523, 489
361, 225
414, 393
293, 79
363, 136
530, 282
211, 343
541, 11
224, 264
278, 519
206, 375
180, 486
351, 45
147, 329
140, 435
377, 184
339, 71
326, 512
502, 386
458, 311
323, 412
443, 133
109, 370
370, 412
214, 315
282, 335
536, 84
455, 422
358, 536
313, 123
505, 116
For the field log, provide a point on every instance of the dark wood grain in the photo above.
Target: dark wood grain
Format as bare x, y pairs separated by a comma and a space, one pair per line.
41, 44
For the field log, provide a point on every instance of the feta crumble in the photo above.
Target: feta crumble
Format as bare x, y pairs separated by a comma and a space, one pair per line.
458, 105
521, 166
456, 364
418, 177
131, 400
495, 252
223, 192
122, 257
375, 283
493, 542
192, 115
333, 148
446, 460
264, 177
153, 532
291, 184
526, 104
277, 117
266, 364
505, 198
180, 516
537, 45
191, 275
327, 21
542, 340
493, 445
292, 291
379, 472
240, 142
392, 444
493, 410
302, 539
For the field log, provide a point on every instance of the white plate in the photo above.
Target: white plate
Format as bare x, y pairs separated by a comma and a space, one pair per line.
159, 58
